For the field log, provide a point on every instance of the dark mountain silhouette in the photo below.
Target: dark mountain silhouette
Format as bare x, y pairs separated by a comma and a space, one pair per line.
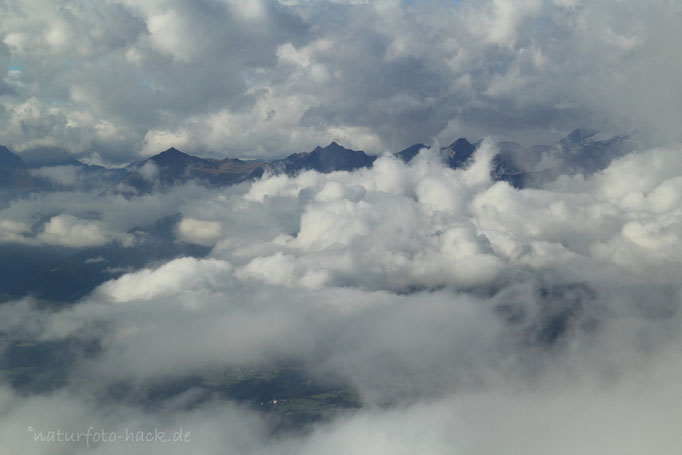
175, 167
458, 153
581, 151
410, 152
14, 174
328, 159
167, 168
455, 155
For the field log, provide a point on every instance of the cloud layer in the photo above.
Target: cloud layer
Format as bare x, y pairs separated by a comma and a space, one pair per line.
456, 306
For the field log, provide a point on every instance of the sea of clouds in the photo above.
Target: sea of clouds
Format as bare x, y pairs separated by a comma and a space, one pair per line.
471, 317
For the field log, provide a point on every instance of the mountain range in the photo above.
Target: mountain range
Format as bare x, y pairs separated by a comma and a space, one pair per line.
582, 151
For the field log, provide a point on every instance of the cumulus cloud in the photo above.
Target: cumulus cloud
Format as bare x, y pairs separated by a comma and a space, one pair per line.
69, 231
63, 230
168, 279
199, 231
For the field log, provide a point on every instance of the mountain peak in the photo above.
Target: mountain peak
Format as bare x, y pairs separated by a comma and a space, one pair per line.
460, 143
333, 157
333, 146
173, 155
410, 152
172, 151
458, 153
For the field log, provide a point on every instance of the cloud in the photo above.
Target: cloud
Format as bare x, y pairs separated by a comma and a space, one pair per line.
69, 231
167, 279
60, 175
13, 231
156, 141
452, 304
269, 79
198, 231
63, 230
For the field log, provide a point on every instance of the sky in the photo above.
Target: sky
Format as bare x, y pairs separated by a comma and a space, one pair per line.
471, 317
113, 81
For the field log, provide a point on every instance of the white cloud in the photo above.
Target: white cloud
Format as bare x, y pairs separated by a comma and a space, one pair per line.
283, 270
199, 231
166, 280
13, 231
68, 230
168, 33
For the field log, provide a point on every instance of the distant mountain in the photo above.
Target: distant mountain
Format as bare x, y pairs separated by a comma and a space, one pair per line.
504, 166
458, 153
328, 159
410, 152
14, 174
455, 155
174, 167
19, 176
582, 151
9, 160
167, 168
